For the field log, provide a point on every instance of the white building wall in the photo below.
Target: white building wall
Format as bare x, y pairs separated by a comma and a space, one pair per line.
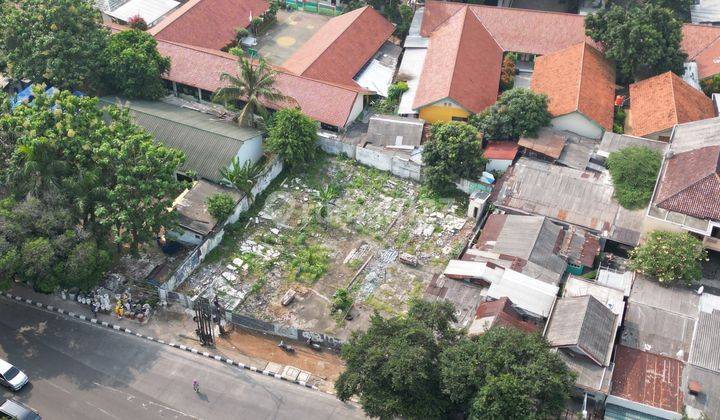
498, 165
251, 150
579, 124
356, 110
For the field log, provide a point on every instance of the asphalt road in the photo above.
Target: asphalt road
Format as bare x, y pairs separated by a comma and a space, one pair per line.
81, 371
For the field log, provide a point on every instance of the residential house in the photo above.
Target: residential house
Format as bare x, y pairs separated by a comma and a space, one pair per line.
209, 142
613, 142
705, 12
570, 197
659, 103
702, 45
195, 222
531, 297
208, 23
393, 132
500, 155
580, 85
687, 194
151, 11
499, 313
547, 145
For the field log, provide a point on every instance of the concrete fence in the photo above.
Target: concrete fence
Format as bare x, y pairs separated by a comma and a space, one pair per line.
399, 164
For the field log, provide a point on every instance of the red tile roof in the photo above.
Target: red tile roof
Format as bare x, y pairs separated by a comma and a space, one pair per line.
517, 30
208, 23
690, 183
504, 315
648, 379
702, 45
339, 50
462, 63
502, 150
201, 68
660, 102
577, 78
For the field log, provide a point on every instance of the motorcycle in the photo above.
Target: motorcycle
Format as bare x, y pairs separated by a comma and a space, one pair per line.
313, 345
288, 348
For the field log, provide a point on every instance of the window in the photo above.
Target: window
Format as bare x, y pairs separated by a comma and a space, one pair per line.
715, 233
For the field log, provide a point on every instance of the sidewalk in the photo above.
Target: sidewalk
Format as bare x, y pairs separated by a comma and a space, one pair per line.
174, 324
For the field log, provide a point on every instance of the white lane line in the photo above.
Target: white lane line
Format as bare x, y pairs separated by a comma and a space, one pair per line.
130, 396
57, 387
102, 411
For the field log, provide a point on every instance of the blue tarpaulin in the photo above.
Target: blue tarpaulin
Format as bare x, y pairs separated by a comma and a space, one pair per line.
26, 95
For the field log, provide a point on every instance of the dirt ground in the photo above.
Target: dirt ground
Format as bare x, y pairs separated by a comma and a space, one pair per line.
323, 364
291, 31
371, 220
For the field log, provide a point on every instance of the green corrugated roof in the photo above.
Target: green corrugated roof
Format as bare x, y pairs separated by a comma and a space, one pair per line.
208, 143
615, 412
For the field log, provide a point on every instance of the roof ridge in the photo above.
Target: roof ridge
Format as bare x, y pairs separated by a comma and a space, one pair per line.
674, 100
441, 24
711, 43
173, 16
519, 9
460, 39
580, 80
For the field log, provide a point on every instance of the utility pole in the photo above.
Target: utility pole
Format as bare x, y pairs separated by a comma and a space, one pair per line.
203, 318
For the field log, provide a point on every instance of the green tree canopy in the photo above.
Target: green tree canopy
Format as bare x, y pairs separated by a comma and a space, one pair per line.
643, 40
393, 366
59, 42
221, 206
681, 8
519, 112
293, 135
454, 151
134, 65
670, 257
505, 374
243, 176
634, 171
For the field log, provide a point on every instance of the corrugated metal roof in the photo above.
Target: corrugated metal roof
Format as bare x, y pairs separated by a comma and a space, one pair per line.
705, 346
209, 143
612, 142
532, 238
531, 295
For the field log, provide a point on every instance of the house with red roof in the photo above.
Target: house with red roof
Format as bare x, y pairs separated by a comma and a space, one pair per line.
499, 313
500, 155
579, 83
659, 103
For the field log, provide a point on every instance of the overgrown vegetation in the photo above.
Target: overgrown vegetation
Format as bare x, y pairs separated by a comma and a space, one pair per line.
418, 366
134, 65
619, 120
508, 72
670, 257
389, 105
342, 300
293, 135
519, 112
634, 171
221, 206
309, 263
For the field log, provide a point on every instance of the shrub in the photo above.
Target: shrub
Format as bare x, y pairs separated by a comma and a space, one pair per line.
452, 152
634, 171
670, 257
221, 206
309, 264
396, 90
519, 112
509, 70
137, 22
293, 135
341, 300
241, 33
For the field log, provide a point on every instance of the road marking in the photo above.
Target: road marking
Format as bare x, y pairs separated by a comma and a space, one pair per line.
102, 411
130, 396
57, 387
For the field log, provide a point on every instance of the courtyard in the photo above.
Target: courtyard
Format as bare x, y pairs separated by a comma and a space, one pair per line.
288, 34
337, 226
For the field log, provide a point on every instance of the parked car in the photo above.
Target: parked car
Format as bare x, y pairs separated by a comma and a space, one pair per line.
18, 411
12, 377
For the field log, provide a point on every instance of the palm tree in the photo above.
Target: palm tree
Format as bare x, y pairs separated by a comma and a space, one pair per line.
242, 176
253, 85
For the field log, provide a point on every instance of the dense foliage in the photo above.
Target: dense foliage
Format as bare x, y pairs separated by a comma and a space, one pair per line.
221, 206
634, 171
453, 152
134, 65
509, 70
293, 135
417, 366
59, 42
79, 179
242, 176
519, 112
643, 40
681, 8
670, 257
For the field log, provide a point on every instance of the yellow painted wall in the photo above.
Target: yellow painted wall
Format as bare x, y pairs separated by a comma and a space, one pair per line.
435, 113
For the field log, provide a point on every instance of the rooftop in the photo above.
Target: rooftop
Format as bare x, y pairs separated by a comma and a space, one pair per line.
465, 296
549, 142
503, 150
209, 143
577, 78
201, 68
648, 379
386, 130
702, 44
454, 69
580, 198
704, 353
583, 322
191, 206
534, 297
613, 298
499, 312
149, 10
660, 102
208, 23
613, 142
339, 50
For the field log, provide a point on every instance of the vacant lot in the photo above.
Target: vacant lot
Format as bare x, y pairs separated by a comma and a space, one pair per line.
291, 30
338, 226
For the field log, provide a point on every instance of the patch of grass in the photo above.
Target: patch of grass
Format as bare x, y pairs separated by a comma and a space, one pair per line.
309, 264
402, 239
257, 286
354, 264
380, 306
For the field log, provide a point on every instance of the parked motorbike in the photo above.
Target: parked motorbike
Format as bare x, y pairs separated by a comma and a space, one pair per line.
313, 345
288, 348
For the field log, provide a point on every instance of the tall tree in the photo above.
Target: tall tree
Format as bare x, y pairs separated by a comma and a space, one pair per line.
643, 40
254, 86
670, 257
59, 42
293, 135
505, 374
134, 66
243, 176
519, 112
454, 151
681, 8
392, 367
